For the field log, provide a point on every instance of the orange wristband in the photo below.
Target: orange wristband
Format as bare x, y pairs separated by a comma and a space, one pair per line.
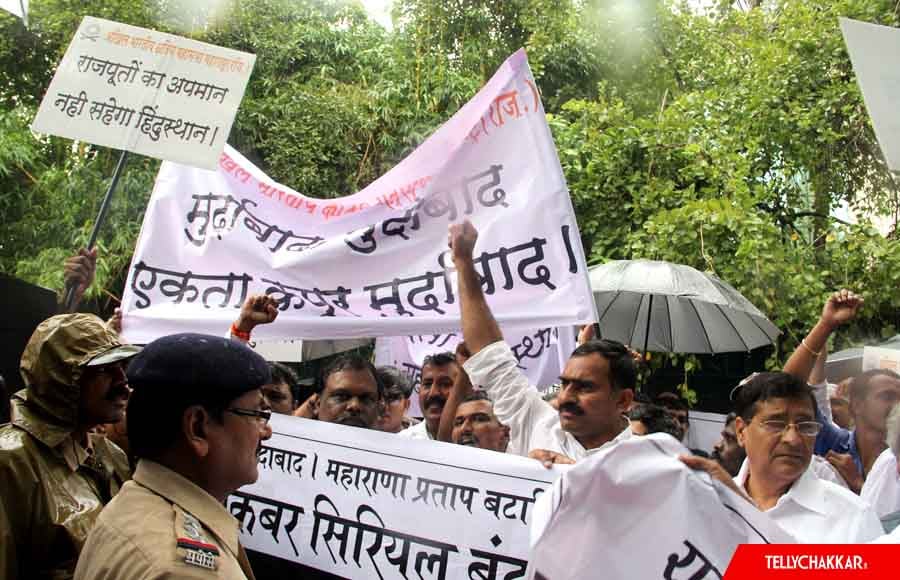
245, 336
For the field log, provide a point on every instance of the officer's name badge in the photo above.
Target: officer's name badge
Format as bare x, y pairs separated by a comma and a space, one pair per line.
199, 553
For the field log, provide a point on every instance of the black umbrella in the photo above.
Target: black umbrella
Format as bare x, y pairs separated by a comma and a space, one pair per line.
690, 312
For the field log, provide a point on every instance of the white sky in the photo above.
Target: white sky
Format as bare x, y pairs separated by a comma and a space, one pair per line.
379, 11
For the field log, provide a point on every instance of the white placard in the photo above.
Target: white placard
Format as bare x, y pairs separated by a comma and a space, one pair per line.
375, 263
145, 91
365, 504
881, 358
17, 7
541, 353
685, 525
875, 54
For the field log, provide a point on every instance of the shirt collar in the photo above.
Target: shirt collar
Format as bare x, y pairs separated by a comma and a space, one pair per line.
74, 453
807, 491
624, 434
191, 498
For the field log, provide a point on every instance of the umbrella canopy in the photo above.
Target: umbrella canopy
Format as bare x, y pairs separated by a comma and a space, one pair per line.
690, 312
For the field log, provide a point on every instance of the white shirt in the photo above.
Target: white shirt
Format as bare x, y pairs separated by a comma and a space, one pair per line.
548, 502
417, 431
882, 486
533, 423
815, 511
892, 538
825, 470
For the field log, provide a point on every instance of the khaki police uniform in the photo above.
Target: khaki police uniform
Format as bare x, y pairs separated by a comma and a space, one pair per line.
163, 526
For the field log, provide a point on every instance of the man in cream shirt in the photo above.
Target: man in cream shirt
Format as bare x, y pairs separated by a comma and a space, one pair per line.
597, 381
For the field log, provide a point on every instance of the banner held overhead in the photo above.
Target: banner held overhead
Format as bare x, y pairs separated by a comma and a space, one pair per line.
375, 263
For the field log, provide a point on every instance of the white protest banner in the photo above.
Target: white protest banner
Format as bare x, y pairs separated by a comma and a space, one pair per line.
17, 7
145, 91
541, 353
638, 494
875, 54
374, 263
366, 504
881, 358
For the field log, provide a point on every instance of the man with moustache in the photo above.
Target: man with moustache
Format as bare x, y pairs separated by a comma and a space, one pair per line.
476, 425
196, 423
348, 392
439, 372
55, 473
776, 425
597, 383
728, 452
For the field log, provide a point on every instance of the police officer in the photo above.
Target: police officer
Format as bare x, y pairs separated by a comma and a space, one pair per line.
55, 473
196, 422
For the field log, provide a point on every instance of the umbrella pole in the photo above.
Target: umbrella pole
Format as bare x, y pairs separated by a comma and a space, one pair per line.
101, 217
646, 342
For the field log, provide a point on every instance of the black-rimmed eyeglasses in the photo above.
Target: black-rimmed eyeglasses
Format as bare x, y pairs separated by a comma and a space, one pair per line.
264, 416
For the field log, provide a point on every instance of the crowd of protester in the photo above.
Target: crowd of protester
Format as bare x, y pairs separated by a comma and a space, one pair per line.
90, 491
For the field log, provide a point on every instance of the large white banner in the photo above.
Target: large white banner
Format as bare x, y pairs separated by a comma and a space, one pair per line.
642, 497
541, 353
365, 504
875, 54
374, 263
150, 92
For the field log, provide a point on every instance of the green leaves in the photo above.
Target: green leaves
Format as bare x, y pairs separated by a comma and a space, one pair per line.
720, 141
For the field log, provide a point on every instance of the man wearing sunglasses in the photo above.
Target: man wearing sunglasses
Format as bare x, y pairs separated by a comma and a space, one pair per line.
777, 428
196, 422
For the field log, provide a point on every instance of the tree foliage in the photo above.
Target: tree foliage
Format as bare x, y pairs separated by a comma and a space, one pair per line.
723, 140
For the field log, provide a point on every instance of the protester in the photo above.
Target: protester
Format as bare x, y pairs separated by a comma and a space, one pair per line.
872, 394
348, 392
476, 425
397, 391
439, 373
840, 413
882, 486
55, 474
647, 418
839, 400
196, 422
677, 408
597, 381
728, 452
257, 309
283, 393
776, 426
78, 273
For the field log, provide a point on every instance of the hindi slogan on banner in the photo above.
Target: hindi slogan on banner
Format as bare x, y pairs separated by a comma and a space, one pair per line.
381, 506
375, 263
150, 92
541, 354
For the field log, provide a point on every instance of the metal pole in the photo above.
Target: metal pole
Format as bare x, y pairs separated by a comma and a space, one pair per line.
101, 217
646, 341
